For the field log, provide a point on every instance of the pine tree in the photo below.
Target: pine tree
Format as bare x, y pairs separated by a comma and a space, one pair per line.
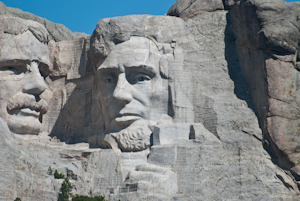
65, 190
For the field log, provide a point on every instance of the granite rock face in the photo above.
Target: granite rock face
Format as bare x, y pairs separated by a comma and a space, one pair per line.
188, 8
57, 32
199, 105
268, 47
266, 42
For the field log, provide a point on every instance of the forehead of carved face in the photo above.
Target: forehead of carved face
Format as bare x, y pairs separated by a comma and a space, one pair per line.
131, 88
22, 83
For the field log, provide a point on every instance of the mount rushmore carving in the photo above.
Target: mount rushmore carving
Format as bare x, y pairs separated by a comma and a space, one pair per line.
201, 104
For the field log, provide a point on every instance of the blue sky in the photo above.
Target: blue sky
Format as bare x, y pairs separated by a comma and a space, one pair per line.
83, 15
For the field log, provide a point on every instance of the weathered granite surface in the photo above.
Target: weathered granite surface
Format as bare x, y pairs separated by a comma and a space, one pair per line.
221, 123
268, 51
58, 32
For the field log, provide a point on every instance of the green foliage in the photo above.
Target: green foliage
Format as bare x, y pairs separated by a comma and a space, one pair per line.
58, 175
65, 190
50, 171
18, 199
87, 198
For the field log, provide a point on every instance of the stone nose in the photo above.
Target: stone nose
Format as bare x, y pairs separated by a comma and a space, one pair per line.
34, 81
123, 90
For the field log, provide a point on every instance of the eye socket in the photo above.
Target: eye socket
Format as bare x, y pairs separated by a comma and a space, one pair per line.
13, 70
108, 78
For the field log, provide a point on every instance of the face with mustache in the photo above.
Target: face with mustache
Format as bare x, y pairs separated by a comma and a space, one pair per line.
22, 57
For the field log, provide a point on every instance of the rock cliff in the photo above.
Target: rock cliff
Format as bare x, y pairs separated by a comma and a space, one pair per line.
221, 124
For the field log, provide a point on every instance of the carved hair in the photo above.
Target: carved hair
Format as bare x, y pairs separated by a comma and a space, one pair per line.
107, 35
16, 26
172, 64
165, 50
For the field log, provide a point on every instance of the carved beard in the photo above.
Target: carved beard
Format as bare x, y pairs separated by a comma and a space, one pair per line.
133, 139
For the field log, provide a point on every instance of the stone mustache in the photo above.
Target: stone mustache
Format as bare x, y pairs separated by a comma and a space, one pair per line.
135, 84
24, 64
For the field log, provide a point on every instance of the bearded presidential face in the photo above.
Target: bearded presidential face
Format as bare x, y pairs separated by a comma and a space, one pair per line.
132, 92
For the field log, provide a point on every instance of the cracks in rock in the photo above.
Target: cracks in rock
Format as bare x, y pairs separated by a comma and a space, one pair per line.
295, 25
293, 103
269, 97
199, 11
50, 33
289, 183
174, 13
191, 3
281, 179
253, 135
281, 117
280, 55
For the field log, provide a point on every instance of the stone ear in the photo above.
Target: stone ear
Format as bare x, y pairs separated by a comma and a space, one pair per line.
164, 65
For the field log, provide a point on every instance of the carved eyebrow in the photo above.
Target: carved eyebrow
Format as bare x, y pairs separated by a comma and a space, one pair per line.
106, 70
21, 61
106, 67
143, 68
14, 62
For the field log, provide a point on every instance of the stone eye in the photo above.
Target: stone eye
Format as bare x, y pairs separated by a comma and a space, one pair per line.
108, 80
142, 79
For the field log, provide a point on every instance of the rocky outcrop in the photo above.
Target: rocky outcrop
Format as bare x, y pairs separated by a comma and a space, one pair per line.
190, 8
264, 36
58, 32
228, 93
268, 53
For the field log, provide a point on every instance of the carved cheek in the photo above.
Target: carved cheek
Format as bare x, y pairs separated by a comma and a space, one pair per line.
143, 93
106, 91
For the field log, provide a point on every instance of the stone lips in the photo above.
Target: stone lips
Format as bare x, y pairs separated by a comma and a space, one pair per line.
20, 101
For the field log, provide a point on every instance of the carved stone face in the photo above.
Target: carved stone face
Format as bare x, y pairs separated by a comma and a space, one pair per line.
21, 82
130, 84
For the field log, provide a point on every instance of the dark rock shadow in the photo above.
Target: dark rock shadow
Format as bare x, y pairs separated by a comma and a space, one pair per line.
78, 119
241, 90
246, 64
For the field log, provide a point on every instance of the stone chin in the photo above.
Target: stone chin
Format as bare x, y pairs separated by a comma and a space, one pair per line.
133, 139
25, 125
